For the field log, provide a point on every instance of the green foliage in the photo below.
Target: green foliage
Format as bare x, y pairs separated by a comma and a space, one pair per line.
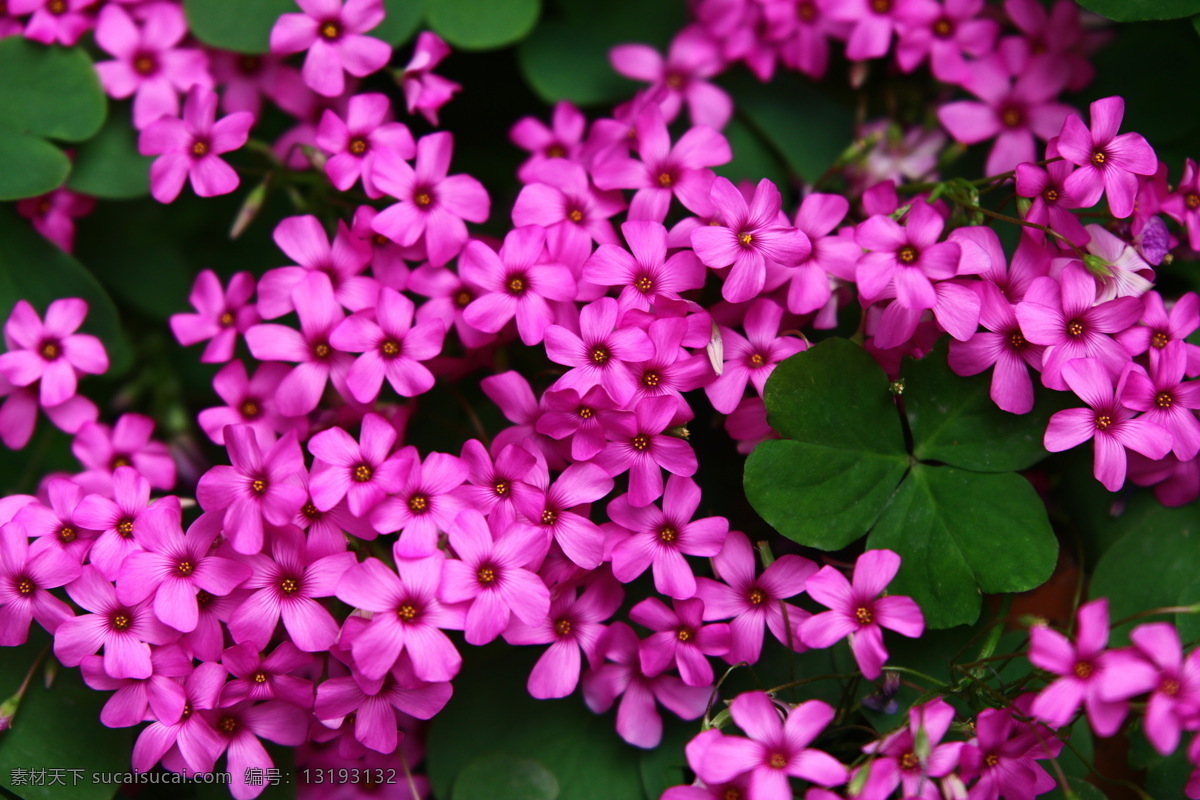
33, 269
498, 777
960, 520
1135, 10
109, 165
244, 26
58, 96
483, 24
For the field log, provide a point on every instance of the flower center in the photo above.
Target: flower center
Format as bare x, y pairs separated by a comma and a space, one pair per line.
641, 442
585, 412
145, 64
260, 677
1192, 200
1050, 195
778, 760
675, 81
644, 284
121, 620
807, 10
258, 486
289, 586
549, 517
501, 487
463, 298
746, 239
863, 615
187, 711
25, 586
249, 409
185, 568
575, 215
1099, 158
249, 65
562, 626
199, 148
943, 28
1163, 400
665, 180
1103, 422
757, 360
650, 379
684, 634
321, 350
1084, 669
907, 254
1016, 340
881, 6
757, 597
555, 151
423, 198
357, 146
1170, 687
516, 285
204, 599
363, 473
119, 461
389, 348
909, 761
1075, 328
991, 759
227, 725
50, 350
225, 320
1159, 340
600, 355
1012, 117
67, 534
125, 528
667, 534
486, 575
407, 612
331, 29
57, 7
418, 504
310, 511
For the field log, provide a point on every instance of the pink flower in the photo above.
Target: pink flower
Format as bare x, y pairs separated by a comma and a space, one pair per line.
422, 502
1002, 756
199, 744
907, 258
134, 700
640, 444
56, 530
897, 761
682, 76
1003, 347
102, 450
432, 204
829, 255
1184, 203
222, 314
638, 721
600, 352
776, 749
54, 21
53, 215
304, 240
123, 519
1108, 162
250, 401
353, 145
945, 34
238, 730
582, 420
1174, 684
573, 625
424, 91
408, 617
1165, 399
1158, 328
752, 358
26, 578
644, 272
858, 611
188, 148
681, 638
332, 35
1051, 200
148, 64
51, 352
362, 473
547, 506
1110, 425
490, 487
560, 198
262, 677
490, 573
873, 24
516, 282
559, 141
373, 704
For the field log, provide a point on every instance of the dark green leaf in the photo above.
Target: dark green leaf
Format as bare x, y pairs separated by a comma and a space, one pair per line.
818, 495
57, 727
402, 20
1189, 624
1152, 563
483, 24
49, 91
32, 166
498, 777
953, 419
109, 165
33, 269
1135, 10
492, 716
961, 533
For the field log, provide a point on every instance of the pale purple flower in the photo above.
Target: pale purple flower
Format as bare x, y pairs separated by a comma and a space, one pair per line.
1122, 271
681, 638
354, 144
424, 91
332, 34
421, 502
362, 472
858, 612
189, 148
1109, 163
25, 580
221, 314
407, 617
1106, 421
432, 205
50, 351
599, 353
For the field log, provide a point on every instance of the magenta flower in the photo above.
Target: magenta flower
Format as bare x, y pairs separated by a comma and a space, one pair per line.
53, 215
582, 420
1051, 200
573, 625
1109, 163
873, 23
198, 744
1063, 316
638, 722
515, 282
561, 140
432, 204
749, 240
751, 358
222, 314
672, 370
644, 272
317, 362
1184, 203
547, 508
161, 695
1003, 347
125, 632
833, 255
1158, 328
56, 530
598, 354
489, 574
50, 351
1106, 421
189, 148
664, 171
124, 519
373, 704
354, 144
680, 638
511, 393
560, 198
250, 401
422, 502
361, 473
1165, 399
25, 580
304, 240
908, 258
173, 567
259, 486
661, 538
777, 748
1003, 753
262, 677
640, 444
682, 76
424, 91
897, 762
752, 601
54, 21
238, 730
858, 611
1174, 687
147, 62
288, 583
332, 35
1123, 272
490, 487
945, 34
407, 617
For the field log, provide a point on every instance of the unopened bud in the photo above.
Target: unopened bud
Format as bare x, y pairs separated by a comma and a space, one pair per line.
859, 781
1023, 206
859, 72
716, 350
1097, 265
250, 208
